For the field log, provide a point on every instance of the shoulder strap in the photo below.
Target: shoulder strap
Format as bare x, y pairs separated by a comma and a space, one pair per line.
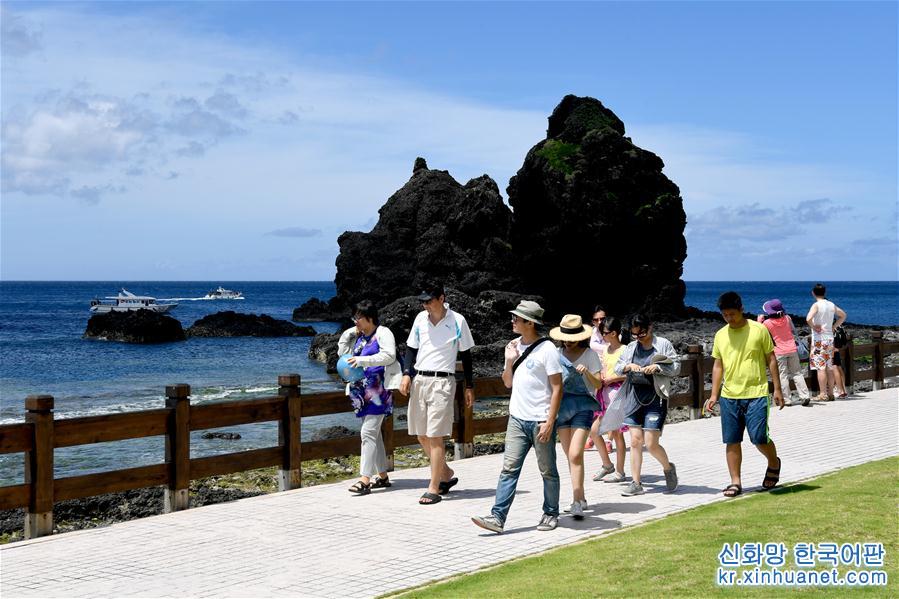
527, 352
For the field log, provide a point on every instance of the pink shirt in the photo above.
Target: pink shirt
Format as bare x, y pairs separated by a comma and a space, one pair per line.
782, 333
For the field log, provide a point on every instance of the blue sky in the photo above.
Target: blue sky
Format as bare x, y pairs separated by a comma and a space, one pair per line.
236, 141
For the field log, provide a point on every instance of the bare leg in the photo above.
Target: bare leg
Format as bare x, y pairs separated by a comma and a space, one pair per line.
734, 454
620, 450
436, 452
636, 452
769, 451
656, 450
576, 462
600, 444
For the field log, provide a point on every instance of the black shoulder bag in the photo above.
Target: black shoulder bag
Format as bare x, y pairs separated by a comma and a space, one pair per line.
527, 352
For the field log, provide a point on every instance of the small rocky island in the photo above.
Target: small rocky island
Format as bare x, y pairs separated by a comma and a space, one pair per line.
145, 326
236, 324
136, 326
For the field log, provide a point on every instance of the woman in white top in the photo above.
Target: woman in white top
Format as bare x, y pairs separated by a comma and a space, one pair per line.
821, 319
373, 348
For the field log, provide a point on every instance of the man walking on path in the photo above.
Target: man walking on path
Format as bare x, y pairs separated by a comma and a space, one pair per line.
821, 319
742, 350
438, 336
534, 373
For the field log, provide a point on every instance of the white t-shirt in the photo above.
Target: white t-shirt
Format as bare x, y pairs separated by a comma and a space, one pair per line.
531, 391
824, 318
438, 344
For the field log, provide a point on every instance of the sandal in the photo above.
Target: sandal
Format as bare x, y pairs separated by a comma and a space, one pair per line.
772, 477
429, 499
360, 488
381, 483
446, 485
732, 490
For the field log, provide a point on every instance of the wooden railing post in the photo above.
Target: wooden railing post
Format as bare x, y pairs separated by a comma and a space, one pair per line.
697, 380
39, 466
847, 356
290, 474
877, 337
177, 448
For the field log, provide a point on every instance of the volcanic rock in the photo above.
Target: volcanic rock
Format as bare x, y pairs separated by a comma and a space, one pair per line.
586, 190
137, 326
221, 435
432, 228
315, 310
234, 324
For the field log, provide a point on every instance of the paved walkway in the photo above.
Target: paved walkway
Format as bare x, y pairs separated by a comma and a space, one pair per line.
323, 542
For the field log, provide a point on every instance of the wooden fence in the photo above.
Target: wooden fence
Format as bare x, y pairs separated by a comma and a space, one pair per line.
41, 434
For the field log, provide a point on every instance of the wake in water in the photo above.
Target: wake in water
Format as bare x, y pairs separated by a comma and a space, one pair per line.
197, 299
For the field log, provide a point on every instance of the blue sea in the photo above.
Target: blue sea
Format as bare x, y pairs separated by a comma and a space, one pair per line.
41, 351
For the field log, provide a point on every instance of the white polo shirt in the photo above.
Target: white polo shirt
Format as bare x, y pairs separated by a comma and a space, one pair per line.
438, 344
531, 391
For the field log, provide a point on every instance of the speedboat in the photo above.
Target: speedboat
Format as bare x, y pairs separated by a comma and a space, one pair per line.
222, 293
126, 301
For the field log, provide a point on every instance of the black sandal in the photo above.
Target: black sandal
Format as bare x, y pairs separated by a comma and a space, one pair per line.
360, 488
429, 499
381, 483
772, 477
732, 490
446, 485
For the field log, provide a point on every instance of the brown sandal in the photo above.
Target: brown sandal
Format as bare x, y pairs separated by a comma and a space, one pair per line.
381, 483
360, 488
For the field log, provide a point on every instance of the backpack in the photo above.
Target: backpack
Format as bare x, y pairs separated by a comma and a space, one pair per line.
840, 338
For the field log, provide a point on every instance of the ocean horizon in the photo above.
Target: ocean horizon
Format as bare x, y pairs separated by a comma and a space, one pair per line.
41, 351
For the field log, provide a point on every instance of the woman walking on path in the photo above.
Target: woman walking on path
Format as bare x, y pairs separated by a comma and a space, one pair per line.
649, 362
611, 382
374, 349
580, 381
779, 324
598, 344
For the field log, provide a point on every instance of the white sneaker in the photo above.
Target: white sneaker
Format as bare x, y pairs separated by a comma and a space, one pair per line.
614, 477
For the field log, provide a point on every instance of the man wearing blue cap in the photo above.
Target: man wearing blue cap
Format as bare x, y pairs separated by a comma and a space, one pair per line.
438, 337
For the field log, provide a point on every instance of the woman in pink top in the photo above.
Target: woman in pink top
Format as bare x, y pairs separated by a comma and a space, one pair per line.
778, 323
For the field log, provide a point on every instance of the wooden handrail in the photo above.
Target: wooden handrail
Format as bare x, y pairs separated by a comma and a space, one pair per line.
41, 434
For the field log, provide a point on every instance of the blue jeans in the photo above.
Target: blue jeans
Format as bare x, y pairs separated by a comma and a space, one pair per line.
521, 435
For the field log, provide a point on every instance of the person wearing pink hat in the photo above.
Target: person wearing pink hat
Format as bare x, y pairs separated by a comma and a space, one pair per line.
780, 325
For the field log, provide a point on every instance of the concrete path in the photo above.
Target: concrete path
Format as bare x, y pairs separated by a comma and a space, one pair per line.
323, 542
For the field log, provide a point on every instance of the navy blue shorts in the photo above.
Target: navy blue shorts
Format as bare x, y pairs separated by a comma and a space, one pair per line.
749, 414
650, 417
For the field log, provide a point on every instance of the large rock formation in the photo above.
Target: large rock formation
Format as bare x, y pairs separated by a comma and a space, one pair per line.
137, 326
234, 324
432, 228
596, 220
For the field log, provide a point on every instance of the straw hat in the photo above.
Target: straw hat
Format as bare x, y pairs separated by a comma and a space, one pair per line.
572, 328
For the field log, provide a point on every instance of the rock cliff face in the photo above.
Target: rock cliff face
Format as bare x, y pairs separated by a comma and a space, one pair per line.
596, 220
432, 228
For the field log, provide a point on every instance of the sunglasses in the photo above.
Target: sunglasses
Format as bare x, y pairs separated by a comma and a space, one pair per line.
517, 319
639, 335
604, 333
598, 320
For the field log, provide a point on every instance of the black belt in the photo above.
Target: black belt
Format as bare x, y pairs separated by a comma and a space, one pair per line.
444, 375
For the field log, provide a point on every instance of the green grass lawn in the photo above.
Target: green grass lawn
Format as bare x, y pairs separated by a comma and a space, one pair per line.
678, 555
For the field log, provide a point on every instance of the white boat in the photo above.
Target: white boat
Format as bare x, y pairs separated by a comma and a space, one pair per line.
126, 301
222, 293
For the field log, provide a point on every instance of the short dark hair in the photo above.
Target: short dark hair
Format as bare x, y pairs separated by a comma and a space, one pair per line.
368, 310
730, 300
640, 320
598, 308
819, 290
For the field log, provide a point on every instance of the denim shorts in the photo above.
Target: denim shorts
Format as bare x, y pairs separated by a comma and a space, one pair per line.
650, 417
576, 411
750, 414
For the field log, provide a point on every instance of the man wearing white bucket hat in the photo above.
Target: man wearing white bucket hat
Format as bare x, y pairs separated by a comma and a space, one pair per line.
534, 373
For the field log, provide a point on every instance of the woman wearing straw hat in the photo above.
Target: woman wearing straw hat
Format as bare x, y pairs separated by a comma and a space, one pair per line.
580, 380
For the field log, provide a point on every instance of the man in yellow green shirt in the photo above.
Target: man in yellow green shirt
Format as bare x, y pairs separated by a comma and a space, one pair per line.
742, 351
